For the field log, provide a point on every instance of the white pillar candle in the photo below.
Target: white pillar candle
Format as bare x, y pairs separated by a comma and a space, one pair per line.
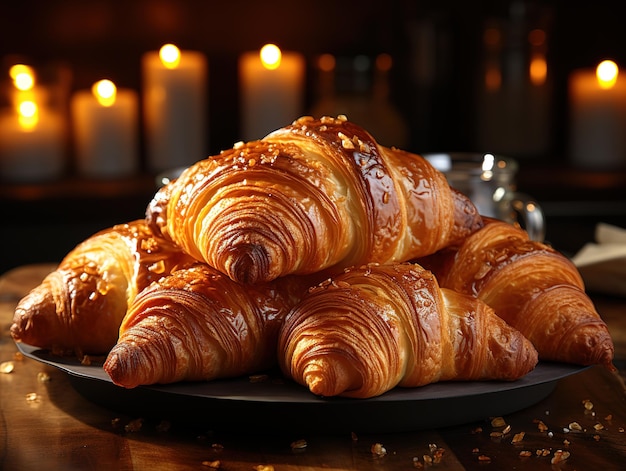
175, 107
598, 117
31, 144
271, 90
106, 130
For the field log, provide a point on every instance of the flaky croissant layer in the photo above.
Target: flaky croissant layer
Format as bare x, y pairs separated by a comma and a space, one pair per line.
309, 196
532, 287
78, 308
197, 324
381, 326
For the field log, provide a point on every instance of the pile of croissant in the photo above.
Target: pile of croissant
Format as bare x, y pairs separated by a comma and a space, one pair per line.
352, 267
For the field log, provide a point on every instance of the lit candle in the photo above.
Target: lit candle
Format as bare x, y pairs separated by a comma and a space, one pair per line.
23, 77
31, 135
175, 107
106, 130
598, 117
271, 90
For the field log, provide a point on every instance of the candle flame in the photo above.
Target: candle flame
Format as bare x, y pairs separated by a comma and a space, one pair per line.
170, 56
105, 92
28, 114
606, 73
23, 77
538, 69
270, 56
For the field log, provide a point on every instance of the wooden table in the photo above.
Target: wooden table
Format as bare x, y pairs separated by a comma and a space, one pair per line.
46, 425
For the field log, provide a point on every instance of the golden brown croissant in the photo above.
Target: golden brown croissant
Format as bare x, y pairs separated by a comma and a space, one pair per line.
380, 326
198, 324
532, 287
78, 307
312, 195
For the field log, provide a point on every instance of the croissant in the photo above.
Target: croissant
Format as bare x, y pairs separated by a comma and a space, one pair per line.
531, 286
78, 307
197, 324
380, 326
309, 196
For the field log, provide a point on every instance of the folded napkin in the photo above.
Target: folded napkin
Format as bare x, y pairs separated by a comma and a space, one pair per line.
603, 264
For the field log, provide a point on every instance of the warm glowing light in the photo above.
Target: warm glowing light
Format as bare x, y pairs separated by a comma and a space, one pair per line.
538, 69
28, 114
607, 73
170, 56
17, 69
537, 37
28, 109
23, 77
105, 92
384, 62
493, 78
270, 56
326, 62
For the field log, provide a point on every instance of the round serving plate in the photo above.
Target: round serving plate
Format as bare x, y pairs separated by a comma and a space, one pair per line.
274, 404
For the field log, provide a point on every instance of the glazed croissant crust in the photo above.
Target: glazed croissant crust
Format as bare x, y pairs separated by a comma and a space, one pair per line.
198, 324
215, 281
381, 326
532, 287
309, 196
78, 308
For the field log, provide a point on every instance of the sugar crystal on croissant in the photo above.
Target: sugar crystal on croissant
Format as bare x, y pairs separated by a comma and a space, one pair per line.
78, 307
381, 326
312, 195
531, 286
197, 324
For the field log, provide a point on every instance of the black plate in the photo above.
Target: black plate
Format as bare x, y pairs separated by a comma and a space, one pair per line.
277, 405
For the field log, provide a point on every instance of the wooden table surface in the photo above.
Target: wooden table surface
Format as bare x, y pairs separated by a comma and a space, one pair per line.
45, 424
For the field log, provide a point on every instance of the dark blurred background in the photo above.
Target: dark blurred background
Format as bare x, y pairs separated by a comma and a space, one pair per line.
439, 55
